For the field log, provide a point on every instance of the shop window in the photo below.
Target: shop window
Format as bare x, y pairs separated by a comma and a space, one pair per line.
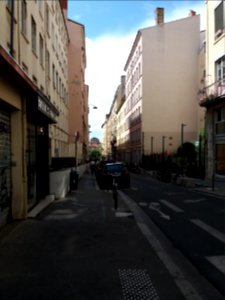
220, 159
5, 159
220, 121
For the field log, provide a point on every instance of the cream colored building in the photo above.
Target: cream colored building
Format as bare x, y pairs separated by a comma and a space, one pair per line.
112, 125
212, 94
161, 104
33, 100
78, 92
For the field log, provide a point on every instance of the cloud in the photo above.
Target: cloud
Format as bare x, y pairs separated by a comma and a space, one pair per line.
106, 58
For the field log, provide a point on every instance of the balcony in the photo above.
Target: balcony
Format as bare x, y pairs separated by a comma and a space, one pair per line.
212, 93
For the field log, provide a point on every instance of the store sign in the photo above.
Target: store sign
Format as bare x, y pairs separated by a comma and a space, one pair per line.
46, 109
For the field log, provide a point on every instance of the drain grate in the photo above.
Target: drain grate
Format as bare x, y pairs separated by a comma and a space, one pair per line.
137, 285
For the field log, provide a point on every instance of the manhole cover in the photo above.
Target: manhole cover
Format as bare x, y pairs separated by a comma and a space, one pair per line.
137, 285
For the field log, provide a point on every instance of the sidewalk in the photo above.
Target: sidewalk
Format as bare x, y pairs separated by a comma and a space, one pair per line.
200, 185
81, 248
205, 186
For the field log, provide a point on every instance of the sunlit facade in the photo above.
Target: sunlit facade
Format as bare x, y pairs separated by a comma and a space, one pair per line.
162, 88
33, 100
212, 93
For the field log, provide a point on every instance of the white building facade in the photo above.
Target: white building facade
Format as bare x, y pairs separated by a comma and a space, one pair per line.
212, 95
162, 88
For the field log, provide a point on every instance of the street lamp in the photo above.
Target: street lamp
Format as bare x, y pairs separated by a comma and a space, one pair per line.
163, 146
152, 138
182, 133
94, 106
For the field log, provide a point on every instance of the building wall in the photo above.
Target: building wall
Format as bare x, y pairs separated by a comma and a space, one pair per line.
33, 92
78, 91
170, 82
215, 47
161, 89
214, 95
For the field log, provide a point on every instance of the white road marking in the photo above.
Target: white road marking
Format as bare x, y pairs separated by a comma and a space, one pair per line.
211, 230
172, 206
143, 203
156, 206
184, 285
194, 201
218, 262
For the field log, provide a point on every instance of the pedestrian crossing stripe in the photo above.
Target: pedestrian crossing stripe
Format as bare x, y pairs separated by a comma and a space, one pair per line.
218, 261
209, 229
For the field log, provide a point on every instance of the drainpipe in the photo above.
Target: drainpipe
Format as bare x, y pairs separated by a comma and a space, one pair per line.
12, 28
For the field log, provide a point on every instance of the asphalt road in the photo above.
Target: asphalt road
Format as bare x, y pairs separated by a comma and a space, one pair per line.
195, 223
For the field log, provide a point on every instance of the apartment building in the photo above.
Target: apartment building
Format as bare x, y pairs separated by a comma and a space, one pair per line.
160, 110
33, 100
112, 125
78, 93
212, 93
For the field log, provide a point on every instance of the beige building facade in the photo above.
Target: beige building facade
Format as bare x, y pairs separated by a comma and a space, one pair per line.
78, 92
212, 94
160, 110
33, 100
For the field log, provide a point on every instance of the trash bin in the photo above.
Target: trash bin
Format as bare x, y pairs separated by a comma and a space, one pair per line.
74, 177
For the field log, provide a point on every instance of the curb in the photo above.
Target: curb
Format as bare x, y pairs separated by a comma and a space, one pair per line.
41, 206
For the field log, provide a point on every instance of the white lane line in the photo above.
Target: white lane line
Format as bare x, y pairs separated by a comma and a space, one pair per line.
214, 232
218, 262
194, 200
156, 206
183, 283
172, 206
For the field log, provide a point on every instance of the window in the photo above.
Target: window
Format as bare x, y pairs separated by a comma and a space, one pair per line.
9, 4
33, 34
24, 16
220, 70
53, 75
220, 121
47, 19
41, 50
40, 6
47, 64
219, 19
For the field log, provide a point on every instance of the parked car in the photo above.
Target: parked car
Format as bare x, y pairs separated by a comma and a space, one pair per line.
98, 169
119, 171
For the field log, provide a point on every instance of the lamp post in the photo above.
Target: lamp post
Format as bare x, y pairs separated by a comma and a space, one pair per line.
182, 133
163, 146
94, 106
152, 138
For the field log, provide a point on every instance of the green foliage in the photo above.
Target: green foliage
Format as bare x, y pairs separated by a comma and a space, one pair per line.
95, 154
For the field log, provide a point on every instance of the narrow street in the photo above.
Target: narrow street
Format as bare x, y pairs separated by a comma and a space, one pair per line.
81, 248
194, 223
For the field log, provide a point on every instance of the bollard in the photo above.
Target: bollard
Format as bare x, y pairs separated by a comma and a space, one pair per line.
115, 193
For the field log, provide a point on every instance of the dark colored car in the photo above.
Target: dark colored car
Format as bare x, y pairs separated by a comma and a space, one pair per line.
119, 171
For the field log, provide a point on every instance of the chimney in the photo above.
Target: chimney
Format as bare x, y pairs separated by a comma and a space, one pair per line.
192, 13
64, 4
159, 15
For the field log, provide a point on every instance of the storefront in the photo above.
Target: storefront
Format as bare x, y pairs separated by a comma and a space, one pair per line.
40, 113
5, 161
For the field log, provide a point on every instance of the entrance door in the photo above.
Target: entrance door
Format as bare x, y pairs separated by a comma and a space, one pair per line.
42, 162
31, 164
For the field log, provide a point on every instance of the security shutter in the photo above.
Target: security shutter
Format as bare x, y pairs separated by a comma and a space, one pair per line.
5, 186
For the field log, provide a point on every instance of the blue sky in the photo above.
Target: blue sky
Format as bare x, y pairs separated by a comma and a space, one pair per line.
110, 28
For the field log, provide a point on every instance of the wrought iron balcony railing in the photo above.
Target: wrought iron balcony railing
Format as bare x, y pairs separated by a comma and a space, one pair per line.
211, 92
